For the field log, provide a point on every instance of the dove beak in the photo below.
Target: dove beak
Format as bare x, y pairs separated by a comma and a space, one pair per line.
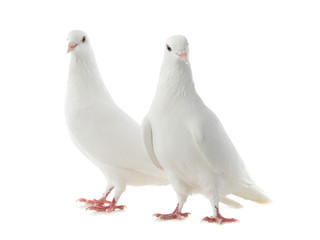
183, 55
71, 46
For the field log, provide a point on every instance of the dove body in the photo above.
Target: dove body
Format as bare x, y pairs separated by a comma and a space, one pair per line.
187, 140
101, 130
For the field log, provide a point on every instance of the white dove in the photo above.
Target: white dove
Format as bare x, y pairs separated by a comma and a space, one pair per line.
186, 139
101, 130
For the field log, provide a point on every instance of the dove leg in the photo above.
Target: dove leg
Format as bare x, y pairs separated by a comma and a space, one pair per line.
216, 217
176, 214
107, 191
100, 201
112, 205
182, 196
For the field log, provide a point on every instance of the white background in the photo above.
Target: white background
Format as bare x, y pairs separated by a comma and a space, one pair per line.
255, 64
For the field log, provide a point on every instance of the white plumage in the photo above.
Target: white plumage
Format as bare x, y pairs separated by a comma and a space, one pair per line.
186, 139
101, 130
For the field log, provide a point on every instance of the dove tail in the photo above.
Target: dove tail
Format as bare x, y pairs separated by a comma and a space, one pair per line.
253, 193
230, 202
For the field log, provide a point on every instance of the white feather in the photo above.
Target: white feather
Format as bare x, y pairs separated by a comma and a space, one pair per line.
100, 129
189, 142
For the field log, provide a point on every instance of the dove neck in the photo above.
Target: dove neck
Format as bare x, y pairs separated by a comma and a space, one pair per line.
176, 80
84, 76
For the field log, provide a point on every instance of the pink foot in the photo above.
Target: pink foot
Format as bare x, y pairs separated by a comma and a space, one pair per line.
101, 208
94, 201
101, 201
219, 219
174, 215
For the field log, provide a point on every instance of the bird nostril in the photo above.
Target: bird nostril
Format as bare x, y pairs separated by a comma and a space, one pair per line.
183, 51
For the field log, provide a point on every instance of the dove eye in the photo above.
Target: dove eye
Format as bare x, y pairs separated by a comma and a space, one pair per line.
169, 48
83, 38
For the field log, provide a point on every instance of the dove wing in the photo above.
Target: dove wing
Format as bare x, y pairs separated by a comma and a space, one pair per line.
148, 141
215, 146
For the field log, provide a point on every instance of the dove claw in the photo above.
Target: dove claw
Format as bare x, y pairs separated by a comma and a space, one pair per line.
96, 207
102, 208
99, 205
100, 201
219, 219
94, 201
112, 207
176, 214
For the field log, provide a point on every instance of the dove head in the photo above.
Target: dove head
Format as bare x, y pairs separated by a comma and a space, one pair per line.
77, 42
176, 48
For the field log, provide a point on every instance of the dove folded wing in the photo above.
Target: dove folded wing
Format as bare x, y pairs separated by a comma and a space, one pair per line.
148, 142
215, 146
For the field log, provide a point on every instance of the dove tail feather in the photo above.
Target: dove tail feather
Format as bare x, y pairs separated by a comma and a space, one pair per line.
230, 202
253, 193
